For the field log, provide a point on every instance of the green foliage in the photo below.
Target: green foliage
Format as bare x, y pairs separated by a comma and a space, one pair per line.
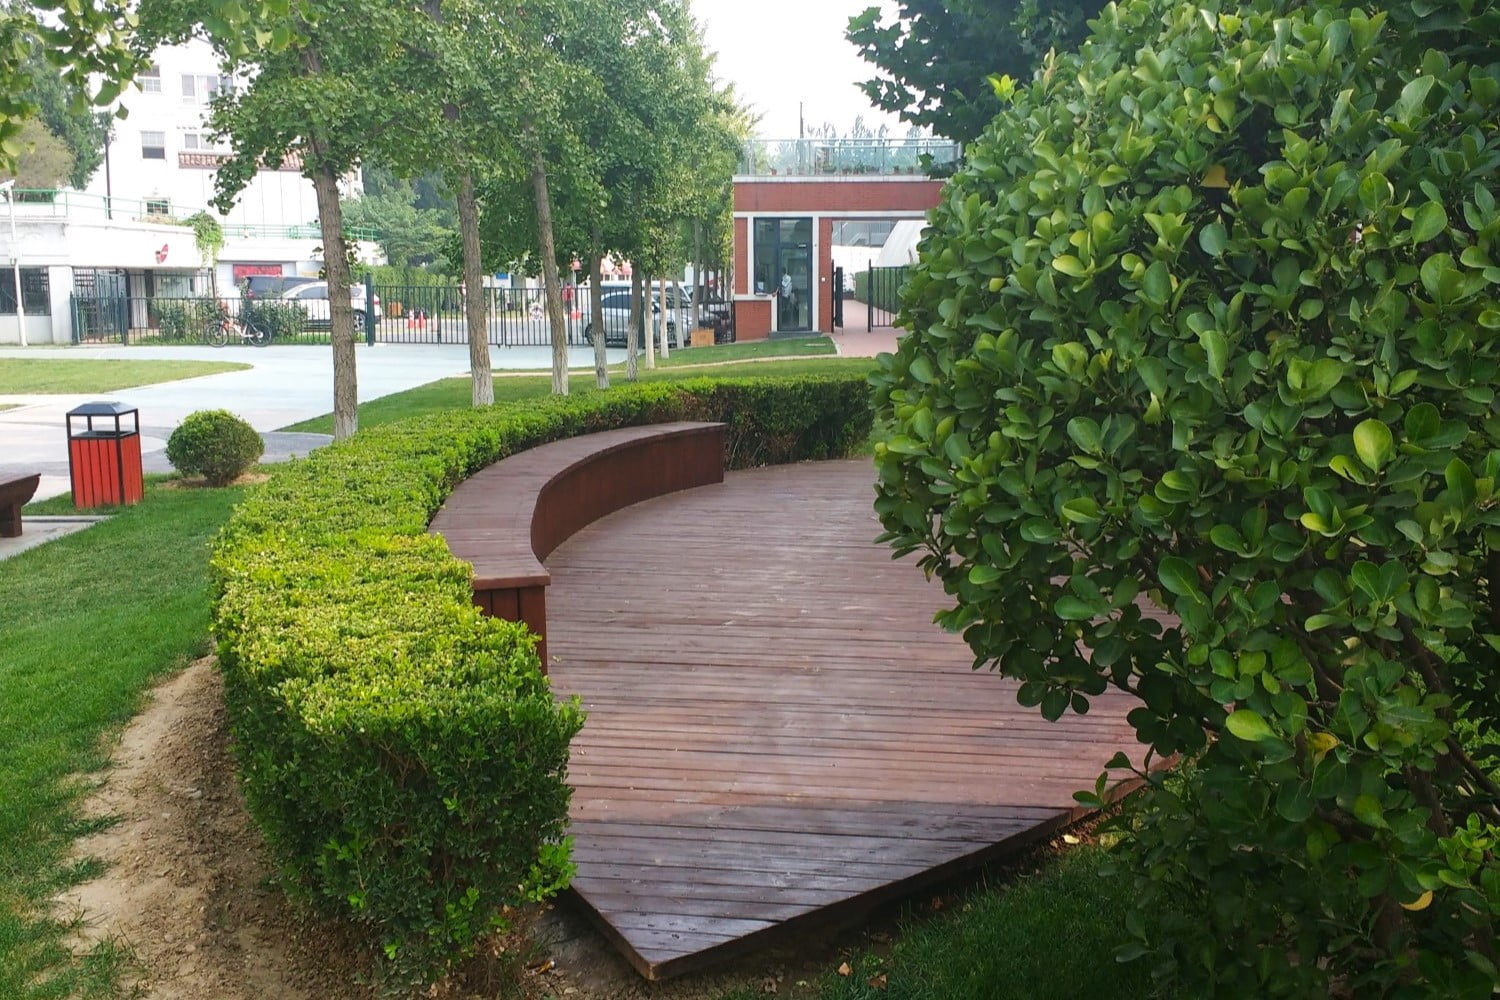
214, 444
409, 236
935, 57
403, 753
82, 45
1201, 376
44, 162
66, 113
186, 320
208, 236
283, 320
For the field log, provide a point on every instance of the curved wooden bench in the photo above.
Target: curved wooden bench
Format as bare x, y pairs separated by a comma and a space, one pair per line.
505, 519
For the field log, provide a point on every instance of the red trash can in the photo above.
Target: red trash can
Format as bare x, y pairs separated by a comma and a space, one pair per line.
104, 457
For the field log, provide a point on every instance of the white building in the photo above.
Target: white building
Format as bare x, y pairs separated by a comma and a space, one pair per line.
162, 161
123, 237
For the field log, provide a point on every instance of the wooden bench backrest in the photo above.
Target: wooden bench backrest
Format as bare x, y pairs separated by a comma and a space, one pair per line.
505, 519
14, 493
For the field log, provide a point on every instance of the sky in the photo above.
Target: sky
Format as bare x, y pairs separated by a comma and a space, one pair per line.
780, 52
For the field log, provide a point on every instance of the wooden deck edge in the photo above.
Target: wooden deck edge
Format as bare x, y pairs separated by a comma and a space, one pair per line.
847, 912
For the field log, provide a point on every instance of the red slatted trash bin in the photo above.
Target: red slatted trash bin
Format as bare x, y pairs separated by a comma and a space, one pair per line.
104, 456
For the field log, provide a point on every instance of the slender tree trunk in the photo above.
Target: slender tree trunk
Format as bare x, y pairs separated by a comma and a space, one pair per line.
666, 336
651, 323
549, 273
596, 310
341, 313
476, 297
632, 337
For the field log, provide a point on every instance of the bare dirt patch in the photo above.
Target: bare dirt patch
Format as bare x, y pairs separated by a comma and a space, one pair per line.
187, 885
188, 890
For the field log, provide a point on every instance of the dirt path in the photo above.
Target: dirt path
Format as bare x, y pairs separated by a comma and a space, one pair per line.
187, 889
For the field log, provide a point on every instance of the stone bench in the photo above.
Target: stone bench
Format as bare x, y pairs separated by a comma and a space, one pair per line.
505, 519
15, 492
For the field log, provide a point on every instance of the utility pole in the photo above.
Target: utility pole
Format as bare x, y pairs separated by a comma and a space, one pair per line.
9, 187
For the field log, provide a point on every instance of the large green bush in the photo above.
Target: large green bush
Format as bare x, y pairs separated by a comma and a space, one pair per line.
402, 753
284, 321
214, 444
186, 320
1201, 377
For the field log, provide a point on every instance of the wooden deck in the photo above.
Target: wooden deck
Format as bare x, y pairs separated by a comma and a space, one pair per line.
778, 735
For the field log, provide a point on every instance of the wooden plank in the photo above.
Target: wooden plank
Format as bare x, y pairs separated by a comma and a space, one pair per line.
778, 735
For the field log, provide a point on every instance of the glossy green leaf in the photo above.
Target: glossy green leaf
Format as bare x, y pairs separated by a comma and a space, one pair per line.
1373, 444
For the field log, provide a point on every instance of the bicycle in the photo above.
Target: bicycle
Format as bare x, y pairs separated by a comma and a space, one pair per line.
248, 332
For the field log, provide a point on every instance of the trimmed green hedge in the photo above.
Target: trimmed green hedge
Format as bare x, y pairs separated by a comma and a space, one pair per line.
403, 754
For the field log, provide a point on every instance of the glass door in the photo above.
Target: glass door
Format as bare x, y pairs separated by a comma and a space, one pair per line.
783, 269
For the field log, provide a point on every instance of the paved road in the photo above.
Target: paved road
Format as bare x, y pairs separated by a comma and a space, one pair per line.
285, 385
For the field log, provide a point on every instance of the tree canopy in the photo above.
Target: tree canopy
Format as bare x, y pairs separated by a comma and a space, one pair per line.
935, 57
78, 43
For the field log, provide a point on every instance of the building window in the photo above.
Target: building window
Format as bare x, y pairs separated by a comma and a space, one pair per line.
783, 268
150, 79
36, 293
153, 145
158, 207
193, 140
200, 88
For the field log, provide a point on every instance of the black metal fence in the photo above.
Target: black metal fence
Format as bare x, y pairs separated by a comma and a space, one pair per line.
880, 289
389, 314
156, 319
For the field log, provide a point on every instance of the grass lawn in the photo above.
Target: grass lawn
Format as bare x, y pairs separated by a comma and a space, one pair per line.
9, 406
454, 393
89, 621
1048, 936
79, 375
746, 351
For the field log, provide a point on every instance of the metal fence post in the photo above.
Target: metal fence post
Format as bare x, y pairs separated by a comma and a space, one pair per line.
369, 310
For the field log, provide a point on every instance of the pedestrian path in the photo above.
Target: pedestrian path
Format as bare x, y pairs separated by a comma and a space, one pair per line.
283, 386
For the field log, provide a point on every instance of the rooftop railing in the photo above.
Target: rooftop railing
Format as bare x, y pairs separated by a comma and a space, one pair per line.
33, 203
817, 157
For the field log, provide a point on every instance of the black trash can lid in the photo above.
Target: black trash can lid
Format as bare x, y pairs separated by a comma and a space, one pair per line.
102, 408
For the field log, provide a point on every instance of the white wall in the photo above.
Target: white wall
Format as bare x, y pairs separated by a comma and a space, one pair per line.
185, 177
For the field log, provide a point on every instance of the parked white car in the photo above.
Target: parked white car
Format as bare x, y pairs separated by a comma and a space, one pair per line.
313, 299
616, 305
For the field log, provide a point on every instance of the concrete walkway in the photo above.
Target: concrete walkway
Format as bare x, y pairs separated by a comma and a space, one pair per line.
285, 385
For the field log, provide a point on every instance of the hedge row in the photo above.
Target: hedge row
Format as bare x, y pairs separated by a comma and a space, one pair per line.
403, 754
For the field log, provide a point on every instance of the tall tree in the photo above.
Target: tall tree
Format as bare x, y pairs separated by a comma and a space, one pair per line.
67, 113
44, 161
935, 57
308, 70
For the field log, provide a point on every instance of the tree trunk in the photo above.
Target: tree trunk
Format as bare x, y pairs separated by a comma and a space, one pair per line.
476, 297
666, 337
549, 274
596, 310
632, 335
341, 313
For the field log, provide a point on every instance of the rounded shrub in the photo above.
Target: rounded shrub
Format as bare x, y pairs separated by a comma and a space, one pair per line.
214, 444
1199, 401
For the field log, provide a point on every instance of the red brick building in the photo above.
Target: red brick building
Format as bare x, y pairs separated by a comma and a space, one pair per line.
786, 204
